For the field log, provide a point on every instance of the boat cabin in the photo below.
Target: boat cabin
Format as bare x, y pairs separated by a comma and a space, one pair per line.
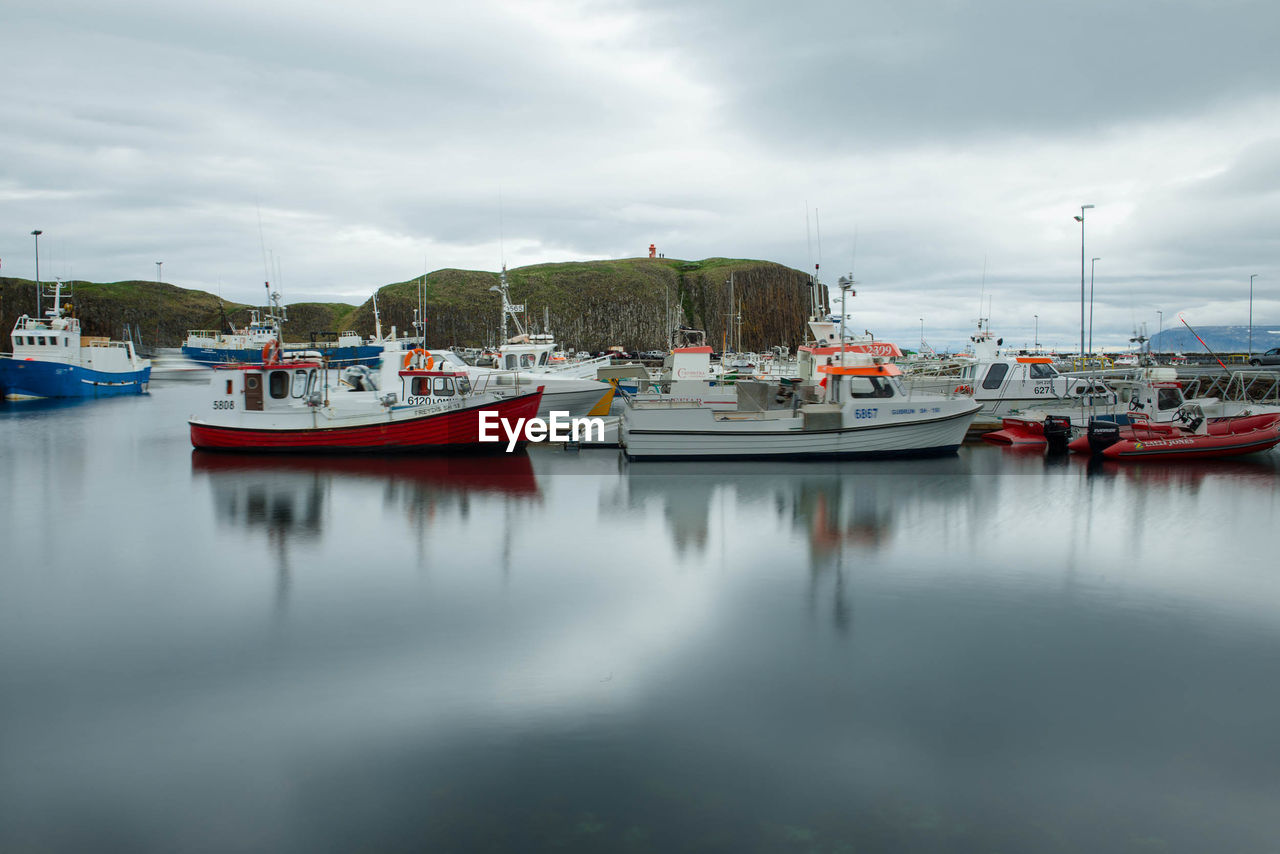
528, 351
867, 380
266, 387
1157, 399
1018, 378
810, 358
48, 340
423, 387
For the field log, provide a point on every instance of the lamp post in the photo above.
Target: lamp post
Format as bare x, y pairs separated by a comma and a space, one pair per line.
159, 267
1036, 337
922, 334
36, 234
1160, 318
1251, 278
1091, 264
1080, 219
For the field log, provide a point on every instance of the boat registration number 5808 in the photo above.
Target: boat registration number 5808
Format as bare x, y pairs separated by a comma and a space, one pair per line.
869, 412
224, 404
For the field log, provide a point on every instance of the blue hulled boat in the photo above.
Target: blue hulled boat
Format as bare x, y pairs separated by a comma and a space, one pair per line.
248, 344
51, 358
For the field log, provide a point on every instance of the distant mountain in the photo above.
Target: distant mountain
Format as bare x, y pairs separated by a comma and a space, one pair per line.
590, 305
1221, 339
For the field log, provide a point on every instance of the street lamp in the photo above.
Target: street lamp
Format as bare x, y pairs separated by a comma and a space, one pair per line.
1251, 278
1160, 317
922, 334
36, 234
1080, 219
1037, 335
159, 266
1091, 263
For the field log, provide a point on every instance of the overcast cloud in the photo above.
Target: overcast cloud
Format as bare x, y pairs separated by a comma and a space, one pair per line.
377, 140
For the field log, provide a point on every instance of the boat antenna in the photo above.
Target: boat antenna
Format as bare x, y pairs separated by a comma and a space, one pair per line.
266, 268
808, 236
1201, 340
817, 228
853, 261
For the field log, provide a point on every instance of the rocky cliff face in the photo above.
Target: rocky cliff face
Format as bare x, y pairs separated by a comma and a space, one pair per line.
597, 304
590, 305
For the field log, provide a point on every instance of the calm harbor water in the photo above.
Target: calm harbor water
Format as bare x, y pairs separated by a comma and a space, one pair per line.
560, 651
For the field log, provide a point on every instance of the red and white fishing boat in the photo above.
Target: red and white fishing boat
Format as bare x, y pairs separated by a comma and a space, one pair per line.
292, 406
1191, 440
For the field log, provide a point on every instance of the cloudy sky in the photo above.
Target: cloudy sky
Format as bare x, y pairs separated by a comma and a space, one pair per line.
345, 146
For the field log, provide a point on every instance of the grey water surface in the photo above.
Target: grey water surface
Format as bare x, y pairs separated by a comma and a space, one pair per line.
562, 651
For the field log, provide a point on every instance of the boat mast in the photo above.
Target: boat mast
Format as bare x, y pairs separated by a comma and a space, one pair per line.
508, 307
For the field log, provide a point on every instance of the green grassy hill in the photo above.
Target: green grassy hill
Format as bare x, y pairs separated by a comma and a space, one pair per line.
591, 305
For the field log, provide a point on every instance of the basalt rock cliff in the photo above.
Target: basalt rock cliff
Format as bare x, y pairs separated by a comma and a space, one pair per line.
590, 305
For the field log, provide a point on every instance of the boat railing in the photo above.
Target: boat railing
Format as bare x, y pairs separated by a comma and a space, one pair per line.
1238, 386
504, 382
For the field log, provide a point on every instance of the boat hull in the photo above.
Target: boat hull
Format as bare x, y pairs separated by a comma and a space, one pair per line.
364, 354
33, 378
933, 437
456, 431
1258, 433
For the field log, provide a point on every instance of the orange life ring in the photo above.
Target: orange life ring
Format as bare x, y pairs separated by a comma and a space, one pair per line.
420, 357
271, 352
963, 389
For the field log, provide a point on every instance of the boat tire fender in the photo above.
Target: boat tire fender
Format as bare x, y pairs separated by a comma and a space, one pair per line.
963, 389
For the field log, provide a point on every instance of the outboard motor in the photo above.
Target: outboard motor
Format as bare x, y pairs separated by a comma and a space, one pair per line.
1057, 433
1102, 434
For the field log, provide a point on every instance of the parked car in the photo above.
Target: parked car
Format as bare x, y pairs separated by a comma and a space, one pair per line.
1271, 357
653, 354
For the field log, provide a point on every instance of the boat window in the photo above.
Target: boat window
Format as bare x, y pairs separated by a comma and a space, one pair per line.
442, 387
869, 387
66, 342
995, 376
1041, 371
228, 386
40, 340
420, 386
299, 384
1168, 398
464, 385
31, 339
542, 360
511, 362
526, 361
278, 384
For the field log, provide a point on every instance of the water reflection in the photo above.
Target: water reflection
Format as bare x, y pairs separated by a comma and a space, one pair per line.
287, 498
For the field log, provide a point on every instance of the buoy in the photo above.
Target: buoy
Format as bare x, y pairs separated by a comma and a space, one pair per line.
271, 352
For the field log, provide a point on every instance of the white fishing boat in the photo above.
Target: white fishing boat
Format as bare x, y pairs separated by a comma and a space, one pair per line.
536, 353
865, 412
1002, 382
290, 404
580, 397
